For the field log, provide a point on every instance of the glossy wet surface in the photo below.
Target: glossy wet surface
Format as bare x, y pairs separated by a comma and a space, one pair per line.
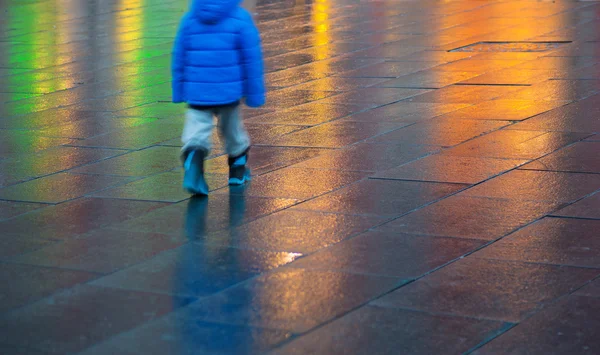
426, 181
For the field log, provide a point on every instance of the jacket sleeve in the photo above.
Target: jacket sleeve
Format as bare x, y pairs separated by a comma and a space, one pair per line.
177, 63
252, 63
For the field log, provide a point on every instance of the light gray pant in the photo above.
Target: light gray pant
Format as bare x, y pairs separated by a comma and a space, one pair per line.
198, 127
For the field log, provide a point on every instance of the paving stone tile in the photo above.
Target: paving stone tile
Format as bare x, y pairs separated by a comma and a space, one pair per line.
294, 76
590, 290
196, 270
450, 169
31, 283
375, 96
101, 251
388, 253
58, 188
395, 331
16, 143
499, 290
49, 161
289, 97
471, 217
554, 63
155, 110
581, 116
428, 79
436, 56
339, 84
388, 69
263, 159
112, 103
335, 134
60, 327
308, 114
584, 73
164, 187
538, 186
557, 90
388, 53
318, 296
510, 76
568, 327
13, 350
10, 209
464, 94
138, 163
476, 64
505, 110
182, 333
50, 118
199, 216
265, 134
384, 198
73, 218
305, 231
134, 137
342, 64
585, 208
404, 111
266, 159
515, 144
292, 183
580, 157
367, 157
14, 244
6, 97
87, 128
438, 132
559, 241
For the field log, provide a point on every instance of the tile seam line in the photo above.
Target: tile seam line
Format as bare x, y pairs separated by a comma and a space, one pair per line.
30, 178
543, 307
574, 217
455, 193
529, 314
364, 304
540, 263
87, 283
50, 204
124, 152
466, 188
58, 268
558, 171
88, 194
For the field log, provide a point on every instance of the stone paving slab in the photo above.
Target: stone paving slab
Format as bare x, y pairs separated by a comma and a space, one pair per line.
425, 181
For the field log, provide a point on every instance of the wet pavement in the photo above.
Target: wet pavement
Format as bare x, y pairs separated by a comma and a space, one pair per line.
426, 181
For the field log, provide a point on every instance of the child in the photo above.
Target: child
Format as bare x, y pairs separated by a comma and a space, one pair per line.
217, 61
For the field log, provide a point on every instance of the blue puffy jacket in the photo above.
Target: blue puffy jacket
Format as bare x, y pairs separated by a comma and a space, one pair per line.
217, 58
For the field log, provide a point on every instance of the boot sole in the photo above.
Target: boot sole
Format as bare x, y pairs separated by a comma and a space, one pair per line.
238, 182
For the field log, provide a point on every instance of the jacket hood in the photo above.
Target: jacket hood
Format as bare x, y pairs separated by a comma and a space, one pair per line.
211, 11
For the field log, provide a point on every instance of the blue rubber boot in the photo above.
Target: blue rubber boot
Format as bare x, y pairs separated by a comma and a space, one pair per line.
193, 180
239, 174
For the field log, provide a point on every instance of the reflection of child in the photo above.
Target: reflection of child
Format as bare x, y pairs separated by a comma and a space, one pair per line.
217, 61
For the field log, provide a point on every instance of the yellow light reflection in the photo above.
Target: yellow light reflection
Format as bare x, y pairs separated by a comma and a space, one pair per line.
491, 23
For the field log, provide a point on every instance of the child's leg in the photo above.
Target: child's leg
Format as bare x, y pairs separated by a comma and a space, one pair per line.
196, 138
197, 130
237, 143
232, 128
